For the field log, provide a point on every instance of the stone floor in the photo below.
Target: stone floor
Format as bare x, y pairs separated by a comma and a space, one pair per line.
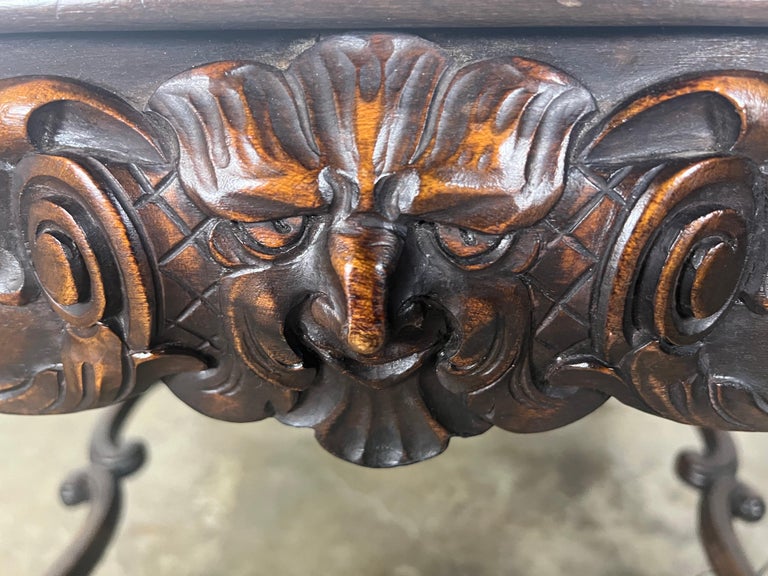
595, 498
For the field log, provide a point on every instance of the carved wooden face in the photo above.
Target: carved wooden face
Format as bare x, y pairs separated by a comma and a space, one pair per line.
374, 207
385, 246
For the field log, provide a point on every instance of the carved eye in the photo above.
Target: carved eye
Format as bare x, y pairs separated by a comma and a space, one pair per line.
272, 236
463, 243
237, 243
474, 250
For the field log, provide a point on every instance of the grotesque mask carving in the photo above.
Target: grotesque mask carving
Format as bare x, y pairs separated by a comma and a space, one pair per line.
373, 207
376, 242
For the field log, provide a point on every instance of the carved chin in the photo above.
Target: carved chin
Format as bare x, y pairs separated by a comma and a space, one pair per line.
383, 427
375, 428
391, 414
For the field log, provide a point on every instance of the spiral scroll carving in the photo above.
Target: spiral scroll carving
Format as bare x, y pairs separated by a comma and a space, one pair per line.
683, 251
77, 243
685, 264
387, 245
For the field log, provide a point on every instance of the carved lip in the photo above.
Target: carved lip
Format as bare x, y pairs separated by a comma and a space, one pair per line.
404, 358
408, 349
377, 375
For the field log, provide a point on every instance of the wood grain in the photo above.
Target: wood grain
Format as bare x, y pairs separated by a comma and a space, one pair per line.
389, 241
57, 15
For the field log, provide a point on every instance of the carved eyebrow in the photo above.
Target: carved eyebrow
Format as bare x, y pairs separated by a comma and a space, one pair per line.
482, 211
258, 205
245, 152
496, 161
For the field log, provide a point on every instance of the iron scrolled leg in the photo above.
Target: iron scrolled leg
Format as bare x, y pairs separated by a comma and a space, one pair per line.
723, 498
99, 484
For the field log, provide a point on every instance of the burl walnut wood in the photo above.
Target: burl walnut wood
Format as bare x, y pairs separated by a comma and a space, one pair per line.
387, 245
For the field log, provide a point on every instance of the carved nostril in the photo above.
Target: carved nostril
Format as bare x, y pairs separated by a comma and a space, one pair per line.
363, 258
411, 316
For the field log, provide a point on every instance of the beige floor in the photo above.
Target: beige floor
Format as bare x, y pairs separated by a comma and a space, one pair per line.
596, 498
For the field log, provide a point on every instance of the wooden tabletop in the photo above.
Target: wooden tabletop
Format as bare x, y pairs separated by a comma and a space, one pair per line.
105, 15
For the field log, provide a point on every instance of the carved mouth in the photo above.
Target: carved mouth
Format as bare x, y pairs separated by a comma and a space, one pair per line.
374, 373
412, 344
378, 375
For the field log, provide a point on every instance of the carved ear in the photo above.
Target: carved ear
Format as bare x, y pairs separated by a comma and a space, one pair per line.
497, 158
712, 114
54, 115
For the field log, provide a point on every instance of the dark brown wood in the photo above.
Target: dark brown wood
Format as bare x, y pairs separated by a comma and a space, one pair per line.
71, 15
386, 243
390, 239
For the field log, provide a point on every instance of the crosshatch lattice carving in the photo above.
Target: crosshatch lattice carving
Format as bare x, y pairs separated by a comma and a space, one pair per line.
386, 246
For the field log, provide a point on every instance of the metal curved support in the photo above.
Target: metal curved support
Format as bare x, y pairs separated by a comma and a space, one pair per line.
99, 484
723, 498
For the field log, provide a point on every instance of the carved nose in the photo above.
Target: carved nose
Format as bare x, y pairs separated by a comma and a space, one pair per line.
363, 258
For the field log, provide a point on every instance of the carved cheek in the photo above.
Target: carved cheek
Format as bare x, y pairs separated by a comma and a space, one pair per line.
491, 327
488, 313
257, 306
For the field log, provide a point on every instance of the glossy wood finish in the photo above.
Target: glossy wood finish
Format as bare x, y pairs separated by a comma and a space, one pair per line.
388, 242
73, 15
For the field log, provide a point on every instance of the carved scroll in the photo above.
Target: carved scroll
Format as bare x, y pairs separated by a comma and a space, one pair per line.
386, 246
687, 262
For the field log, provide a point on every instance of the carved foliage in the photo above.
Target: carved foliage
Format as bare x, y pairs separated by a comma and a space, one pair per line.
385, 246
